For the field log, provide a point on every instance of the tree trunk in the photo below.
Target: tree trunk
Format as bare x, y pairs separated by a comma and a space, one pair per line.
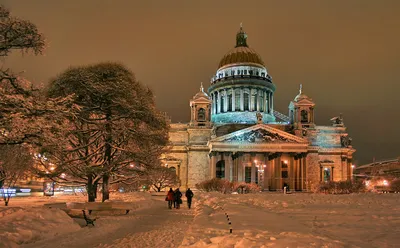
91, 189
95, 185
107, 154
105, 188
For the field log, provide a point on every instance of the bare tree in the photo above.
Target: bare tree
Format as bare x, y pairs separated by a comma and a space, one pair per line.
15, 162
161, 177
117, 125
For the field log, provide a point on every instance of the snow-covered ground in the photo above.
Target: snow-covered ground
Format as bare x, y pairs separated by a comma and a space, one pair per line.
257, 220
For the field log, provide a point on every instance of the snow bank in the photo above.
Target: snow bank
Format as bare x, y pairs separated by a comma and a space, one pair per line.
21, 226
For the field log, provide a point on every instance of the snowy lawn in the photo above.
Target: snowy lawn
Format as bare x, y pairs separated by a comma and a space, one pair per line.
296, 220
257, 220
29, 219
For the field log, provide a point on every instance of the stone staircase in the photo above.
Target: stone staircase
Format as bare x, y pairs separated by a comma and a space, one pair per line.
281, 116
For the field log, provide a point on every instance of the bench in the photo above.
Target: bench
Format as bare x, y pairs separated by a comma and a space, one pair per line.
87, 219
101, 206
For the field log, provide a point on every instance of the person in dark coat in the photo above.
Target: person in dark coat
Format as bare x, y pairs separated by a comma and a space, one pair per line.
178, 198
189, 195
170, 197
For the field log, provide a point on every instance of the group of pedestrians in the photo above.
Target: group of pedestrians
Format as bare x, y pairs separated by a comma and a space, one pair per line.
175, 198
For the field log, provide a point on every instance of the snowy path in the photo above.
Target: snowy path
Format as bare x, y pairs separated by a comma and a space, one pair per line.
153, 226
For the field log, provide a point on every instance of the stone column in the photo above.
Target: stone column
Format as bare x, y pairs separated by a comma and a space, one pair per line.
298, 173
240, 168
349, 169
258, 99
272, 173
272, 104
233, 100
278, 173
241, 99
226, 101
212, 103
311, 115
292, 173
266, 173
234, 170
219, 102
213, 162
228, 166
265, 104
304, 169
301, 168
251, 103
298, 115
192, 114
343, 166
253, 168
295, 173
320, 173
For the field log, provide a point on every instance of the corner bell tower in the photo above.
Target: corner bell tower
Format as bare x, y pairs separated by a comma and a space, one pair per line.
301, 111
200, 106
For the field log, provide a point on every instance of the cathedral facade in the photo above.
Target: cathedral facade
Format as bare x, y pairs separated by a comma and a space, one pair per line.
235, 133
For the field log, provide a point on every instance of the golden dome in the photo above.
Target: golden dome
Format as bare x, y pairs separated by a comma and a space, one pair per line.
242, 53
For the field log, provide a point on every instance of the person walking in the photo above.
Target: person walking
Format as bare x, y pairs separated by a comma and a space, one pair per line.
189, 195
178, 198
170, 198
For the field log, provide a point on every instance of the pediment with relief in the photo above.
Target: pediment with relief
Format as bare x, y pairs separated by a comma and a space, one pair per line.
260, 133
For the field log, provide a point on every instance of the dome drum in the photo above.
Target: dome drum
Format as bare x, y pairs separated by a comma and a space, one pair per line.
241, 71
241, 87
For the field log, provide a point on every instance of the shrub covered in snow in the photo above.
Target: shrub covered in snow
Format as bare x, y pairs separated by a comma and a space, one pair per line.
225, 186
342, 187
395, 185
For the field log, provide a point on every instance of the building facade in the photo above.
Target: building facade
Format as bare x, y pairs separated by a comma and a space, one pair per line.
235, 133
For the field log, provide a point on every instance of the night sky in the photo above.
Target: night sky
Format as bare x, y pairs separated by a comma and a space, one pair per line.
345, 53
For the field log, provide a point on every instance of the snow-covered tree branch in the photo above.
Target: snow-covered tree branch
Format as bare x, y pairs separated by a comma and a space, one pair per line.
117, 125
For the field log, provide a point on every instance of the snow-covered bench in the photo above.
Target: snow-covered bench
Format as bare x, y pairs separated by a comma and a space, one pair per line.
101, 206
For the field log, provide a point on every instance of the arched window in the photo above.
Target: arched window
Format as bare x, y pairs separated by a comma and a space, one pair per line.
220, 169
201, 115
173, 169
304, 116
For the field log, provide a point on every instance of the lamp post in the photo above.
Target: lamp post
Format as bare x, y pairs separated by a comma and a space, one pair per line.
260, 169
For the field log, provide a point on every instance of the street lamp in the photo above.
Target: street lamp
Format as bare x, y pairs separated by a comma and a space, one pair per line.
260, 167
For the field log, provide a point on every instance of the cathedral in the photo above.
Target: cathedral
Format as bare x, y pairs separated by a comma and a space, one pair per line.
235, 134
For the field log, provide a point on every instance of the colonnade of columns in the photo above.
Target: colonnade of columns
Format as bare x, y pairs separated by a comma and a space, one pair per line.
280, 169
224, 100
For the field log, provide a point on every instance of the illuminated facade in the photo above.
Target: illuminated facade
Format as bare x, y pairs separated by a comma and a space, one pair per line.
236, 134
